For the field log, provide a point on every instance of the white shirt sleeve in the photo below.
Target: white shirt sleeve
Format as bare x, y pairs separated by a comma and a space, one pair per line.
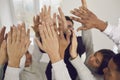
113, 32
60, 70
83, 72
12, 73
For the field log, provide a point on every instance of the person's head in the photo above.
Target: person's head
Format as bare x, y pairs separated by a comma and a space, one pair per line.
99, 60
112, 72
70, 22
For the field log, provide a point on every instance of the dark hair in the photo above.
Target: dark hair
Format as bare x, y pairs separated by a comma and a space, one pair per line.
107, 55
116, 60
68, 19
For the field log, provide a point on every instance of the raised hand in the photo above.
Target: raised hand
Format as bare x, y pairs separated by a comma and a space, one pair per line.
87, 18
50, 43
3, 47
64, 41
73, 46
2, 33
84, 4
44, 15
17, 44
62, 21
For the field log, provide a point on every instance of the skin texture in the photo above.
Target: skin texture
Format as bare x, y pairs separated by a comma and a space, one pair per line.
3, 47
88, 19
60, 30
111, 73
18, 43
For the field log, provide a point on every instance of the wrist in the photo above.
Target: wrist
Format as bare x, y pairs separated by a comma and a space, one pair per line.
101, 25
62, 52
55, 57
2, 61
14, 63
74, 55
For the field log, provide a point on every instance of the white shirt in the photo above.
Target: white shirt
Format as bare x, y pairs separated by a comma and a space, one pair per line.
113, 32
60, 70
12, 73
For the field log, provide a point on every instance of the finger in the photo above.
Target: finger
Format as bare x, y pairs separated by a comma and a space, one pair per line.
78, 14
63, 18
54, 21
23, 35
49, 11
45, 32
81, 28
48, 29
4, 44
45, 10
53, 32
84, 4
61, 35
2, 32
77, 19
41, 33
27, 45
28, 33
6, 36
9, 39
68, 34
39, 44
18, 35
14, 34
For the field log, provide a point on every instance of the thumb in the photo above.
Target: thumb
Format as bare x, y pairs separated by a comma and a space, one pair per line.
81, 28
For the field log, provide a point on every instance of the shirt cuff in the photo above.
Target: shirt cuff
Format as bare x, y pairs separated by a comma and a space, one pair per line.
13, 70
61, 69
108, 29
77, 61
58, 65
12, 73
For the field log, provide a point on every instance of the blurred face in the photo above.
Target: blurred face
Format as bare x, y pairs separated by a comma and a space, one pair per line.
70, 25
111, 73
95, 60
28, 59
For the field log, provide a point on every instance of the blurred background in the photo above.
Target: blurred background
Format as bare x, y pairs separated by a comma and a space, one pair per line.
15, 11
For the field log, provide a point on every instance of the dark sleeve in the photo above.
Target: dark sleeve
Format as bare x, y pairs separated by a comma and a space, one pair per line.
81, 46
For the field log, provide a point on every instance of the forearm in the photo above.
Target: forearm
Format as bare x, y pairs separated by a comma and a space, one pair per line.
61, 72
88, 42
101, 25
82, 70
12, 73
113, 33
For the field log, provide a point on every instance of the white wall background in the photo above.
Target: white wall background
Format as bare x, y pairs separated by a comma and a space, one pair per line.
107, 10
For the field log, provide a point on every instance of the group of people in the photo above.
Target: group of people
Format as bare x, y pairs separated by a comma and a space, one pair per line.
55, 36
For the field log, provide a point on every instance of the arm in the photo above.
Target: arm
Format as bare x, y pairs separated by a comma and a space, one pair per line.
113, 33
60, 70
36, 53
3, 52
88, 42
12, 73
83, 72
17, 45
